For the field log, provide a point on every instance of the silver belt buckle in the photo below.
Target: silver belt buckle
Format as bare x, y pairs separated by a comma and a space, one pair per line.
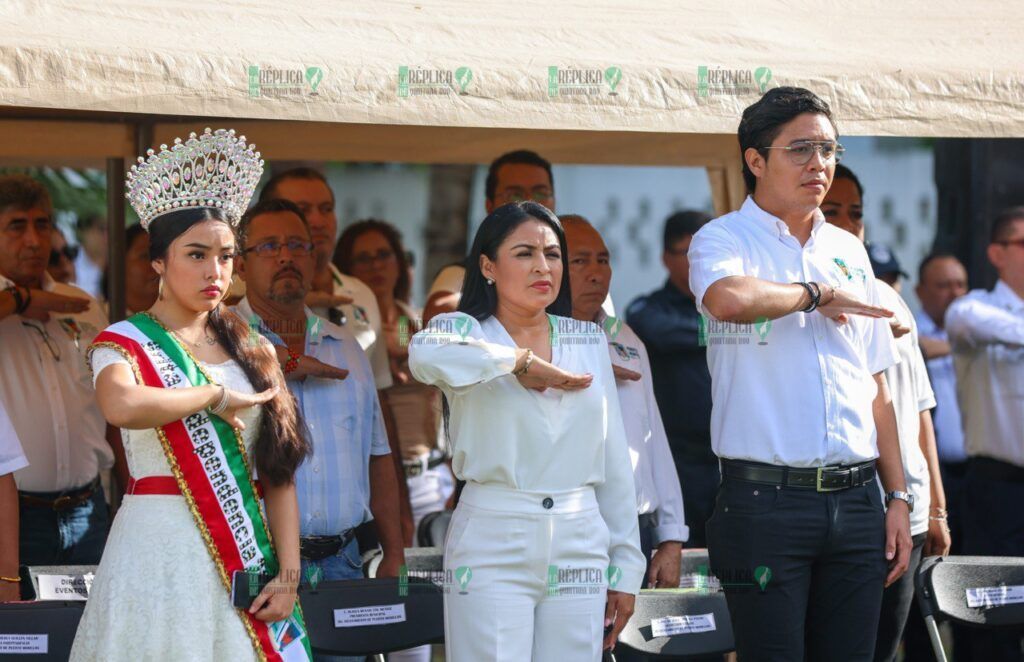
818, 486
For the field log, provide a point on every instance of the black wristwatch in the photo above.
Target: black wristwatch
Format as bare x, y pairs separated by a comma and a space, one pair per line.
902, 496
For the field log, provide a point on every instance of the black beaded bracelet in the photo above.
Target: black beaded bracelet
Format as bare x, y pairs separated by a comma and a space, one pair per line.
810, 293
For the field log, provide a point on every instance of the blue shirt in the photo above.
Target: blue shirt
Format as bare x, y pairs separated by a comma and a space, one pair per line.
949, 432
345, 428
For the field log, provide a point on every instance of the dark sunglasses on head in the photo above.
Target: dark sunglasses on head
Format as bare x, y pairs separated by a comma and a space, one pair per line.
70, 252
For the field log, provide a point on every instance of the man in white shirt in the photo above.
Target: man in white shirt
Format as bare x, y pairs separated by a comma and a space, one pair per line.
986, 331
46, 387
797, 347
912, 398
659, 497
11, 459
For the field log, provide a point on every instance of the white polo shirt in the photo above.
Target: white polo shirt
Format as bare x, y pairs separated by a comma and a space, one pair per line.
46, 387
795, 391
986, 331
654, 471
12, 457
911, 394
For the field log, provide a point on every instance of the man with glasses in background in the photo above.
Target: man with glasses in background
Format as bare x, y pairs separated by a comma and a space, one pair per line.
512, 177
46, 388
801, 418
349, 478
986, 332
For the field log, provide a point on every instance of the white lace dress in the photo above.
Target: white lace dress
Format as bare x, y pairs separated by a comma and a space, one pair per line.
157, 594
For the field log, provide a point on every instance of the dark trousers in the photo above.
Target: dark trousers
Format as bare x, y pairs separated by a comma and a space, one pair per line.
993, 494
699, 479
803, 571
75, 536
896, 602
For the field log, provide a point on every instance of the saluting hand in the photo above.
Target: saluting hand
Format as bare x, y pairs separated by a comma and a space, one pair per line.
843, 304
238, 401
43, 303
317, 299
307, 366
543, 375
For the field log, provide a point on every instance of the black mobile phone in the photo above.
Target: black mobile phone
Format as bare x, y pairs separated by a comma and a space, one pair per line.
245, 586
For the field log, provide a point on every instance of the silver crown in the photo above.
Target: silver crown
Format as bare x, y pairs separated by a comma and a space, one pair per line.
215, 169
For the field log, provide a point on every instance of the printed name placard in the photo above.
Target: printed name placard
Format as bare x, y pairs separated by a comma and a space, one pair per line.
673, 625
987, 597
371, 615
65, 587
24, 644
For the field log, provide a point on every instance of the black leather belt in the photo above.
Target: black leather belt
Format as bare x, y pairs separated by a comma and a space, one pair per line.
316, 548
415, 467
822, 479
60, 501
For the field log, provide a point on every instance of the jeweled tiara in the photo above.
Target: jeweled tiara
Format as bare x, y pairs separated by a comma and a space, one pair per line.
215, 169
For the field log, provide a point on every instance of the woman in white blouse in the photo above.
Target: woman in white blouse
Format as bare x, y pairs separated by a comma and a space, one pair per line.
543, 551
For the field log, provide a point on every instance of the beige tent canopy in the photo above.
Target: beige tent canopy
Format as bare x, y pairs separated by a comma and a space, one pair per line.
451, 81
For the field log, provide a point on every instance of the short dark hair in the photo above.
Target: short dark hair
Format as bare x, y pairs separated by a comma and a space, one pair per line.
346, 244
842, 172
268, 206
521, 156
23, 192
269, 190
763, 120
1002, 222
931, 257
682, 224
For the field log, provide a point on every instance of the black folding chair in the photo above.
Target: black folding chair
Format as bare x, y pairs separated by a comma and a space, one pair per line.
41, 630
654, 604
433, 528
421, 600
943, 584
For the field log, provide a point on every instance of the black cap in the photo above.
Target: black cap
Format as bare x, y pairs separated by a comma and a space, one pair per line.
883, 260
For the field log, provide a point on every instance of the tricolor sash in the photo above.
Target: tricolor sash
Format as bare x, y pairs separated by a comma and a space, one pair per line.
209, 462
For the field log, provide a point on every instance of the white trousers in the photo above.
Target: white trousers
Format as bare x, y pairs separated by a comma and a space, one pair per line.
529, 576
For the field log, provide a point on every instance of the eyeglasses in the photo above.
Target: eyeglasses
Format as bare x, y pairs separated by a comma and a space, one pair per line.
519, 195
273, 248
1012, 242
69, 252
47, 340
366, 259
802, 151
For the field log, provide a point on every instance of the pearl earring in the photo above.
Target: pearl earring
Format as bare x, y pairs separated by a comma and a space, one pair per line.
490, 281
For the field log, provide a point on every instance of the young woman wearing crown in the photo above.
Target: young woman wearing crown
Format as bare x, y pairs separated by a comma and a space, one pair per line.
203, 414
